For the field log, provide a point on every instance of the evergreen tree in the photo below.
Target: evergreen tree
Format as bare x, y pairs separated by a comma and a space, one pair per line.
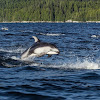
49, 10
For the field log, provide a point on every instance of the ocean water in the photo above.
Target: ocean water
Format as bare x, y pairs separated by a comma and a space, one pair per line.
74, 74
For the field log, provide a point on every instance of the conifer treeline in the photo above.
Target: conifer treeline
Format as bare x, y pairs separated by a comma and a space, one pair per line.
49, 10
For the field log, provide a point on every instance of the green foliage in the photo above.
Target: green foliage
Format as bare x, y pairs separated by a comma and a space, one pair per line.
49, 10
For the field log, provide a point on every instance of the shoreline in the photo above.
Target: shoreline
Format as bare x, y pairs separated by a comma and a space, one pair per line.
69, 21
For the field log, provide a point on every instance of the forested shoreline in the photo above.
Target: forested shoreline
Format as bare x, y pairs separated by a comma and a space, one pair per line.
49, 10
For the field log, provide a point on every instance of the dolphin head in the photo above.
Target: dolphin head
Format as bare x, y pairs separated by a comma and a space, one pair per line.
53, 51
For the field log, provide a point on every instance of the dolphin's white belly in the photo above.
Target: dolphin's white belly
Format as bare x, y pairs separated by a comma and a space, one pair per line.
52, 53
41, 50
46, 50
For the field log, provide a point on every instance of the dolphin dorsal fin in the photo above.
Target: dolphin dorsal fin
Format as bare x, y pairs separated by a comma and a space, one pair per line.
36, 39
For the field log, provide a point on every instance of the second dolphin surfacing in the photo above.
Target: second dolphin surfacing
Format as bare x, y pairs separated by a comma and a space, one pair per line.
40, 49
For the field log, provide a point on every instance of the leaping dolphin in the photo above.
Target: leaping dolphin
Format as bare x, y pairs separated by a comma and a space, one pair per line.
40, 49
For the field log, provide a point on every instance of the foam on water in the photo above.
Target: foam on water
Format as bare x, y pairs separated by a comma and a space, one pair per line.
84, 65
51, 34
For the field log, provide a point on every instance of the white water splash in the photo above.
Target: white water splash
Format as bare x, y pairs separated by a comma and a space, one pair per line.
84, 65
77, 65
15, 58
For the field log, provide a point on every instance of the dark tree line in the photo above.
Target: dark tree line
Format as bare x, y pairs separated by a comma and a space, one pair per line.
49, 10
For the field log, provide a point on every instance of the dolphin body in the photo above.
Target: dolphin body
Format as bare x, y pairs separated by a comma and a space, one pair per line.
40, 49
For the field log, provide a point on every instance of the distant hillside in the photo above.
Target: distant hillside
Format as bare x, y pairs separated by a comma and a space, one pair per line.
49, 10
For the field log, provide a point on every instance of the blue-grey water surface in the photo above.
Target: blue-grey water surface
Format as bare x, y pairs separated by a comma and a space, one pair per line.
72, 75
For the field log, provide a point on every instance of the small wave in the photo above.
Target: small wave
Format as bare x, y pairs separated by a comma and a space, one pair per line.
24, 95
19, 50
51, 34
90, 76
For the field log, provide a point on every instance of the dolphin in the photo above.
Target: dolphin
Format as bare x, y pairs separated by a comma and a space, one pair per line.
40, 49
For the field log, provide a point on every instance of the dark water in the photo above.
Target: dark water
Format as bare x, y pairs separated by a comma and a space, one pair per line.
72, 75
